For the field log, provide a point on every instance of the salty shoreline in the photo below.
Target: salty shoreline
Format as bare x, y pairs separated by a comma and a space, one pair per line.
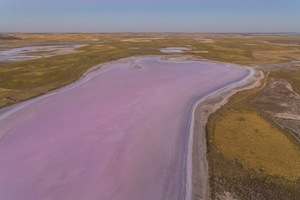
189, 155
199, 179
35, 52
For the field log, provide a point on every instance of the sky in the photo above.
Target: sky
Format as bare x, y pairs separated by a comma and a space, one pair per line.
204, 16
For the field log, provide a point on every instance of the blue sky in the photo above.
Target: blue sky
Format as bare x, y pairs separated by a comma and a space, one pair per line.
150, 16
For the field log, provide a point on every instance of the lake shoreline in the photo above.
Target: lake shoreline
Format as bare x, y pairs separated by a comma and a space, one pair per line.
201, 112
189, 157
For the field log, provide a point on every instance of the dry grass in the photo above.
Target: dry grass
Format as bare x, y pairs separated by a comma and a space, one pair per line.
251, 140
277, 56
248, 156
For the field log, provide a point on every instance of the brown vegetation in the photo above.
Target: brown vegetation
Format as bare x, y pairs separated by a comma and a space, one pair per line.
261, 147
249, 156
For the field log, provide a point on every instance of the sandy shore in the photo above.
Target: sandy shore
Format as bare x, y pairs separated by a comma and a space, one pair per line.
198, 169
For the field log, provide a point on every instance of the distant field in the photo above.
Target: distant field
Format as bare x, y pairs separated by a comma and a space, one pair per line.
26, 79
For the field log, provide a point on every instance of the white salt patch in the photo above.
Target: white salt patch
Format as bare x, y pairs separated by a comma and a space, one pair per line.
174, 50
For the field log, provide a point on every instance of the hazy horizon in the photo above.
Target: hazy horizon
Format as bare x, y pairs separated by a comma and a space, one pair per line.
145, 16
139, 32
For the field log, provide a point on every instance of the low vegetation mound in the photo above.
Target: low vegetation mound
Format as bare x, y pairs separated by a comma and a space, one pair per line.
261, 147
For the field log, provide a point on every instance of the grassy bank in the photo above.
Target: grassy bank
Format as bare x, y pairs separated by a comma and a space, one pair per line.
27, 79
249, 156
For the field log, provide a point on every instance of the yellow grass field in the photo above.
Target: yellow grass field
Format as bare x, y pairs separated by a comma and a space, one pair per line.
251, 140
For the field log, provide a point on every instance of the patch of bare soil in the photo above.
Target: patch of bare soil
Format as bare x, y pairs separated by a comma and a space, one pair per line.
281, 104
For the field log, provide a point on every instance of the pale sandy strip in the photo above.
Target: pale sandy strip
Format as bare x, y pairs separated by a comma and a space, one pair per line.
246, 83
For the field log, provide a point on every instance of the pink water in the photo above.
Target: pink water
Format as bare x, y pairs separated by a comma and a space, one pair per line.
120, 135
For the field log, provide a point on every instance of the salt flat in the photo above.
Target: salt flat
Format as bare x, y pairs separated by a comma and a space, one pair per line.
119, 133
174, 50
25, 53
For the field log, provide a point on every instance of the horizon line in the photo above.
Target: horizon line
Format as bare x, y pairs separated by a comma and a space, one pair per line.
155, 32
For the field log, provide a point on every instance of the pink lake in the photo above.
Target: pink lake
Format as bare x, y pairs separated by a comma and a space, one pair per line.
120, 133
